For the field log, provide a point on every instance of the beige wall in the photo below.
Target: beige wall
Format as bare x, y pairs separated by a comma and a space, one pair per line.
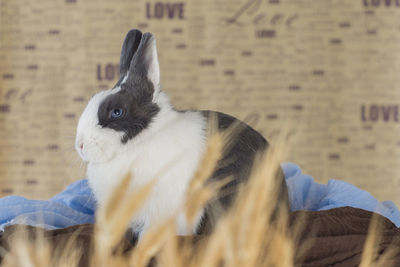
326, 70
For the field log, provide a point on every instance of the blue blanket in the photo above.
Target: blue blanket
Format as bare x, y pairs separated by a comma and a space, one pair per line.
76, 204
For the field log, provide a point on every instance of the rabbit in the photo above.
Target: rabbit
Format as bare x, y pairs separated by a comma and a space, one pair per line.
134, 128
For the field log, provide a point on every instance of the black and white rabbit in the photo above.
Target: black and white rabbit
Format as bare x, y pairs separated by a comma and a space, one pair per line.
133, 127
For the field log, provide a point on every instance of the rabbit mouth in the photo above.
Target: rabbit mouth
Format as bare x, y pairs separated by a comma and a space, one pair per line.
94, 155
80, 149
94, 152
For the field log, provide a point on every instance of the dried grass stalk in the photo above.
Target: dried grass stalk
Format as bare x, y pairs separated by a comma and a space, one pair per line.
252, 233
113, 219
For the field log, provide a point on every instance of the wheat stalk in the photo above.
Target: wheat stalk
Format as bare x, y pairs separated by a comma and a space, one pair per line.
252, 233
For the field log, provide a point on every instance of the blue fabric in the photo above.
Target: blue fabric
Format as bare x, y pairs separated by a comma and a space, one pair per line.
76, 204
306, 194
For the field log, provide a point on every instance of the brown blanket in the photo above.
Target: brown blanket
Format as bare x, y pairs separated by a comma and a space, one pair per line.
336, 237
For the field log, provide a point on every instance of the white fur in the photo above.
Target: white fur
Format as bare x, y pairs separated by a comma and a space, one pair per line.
169, 150
99, 145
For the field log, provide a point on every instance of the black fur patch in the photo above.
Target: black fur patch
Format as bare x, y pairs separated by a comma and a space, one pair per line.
129, 48
136, 94
236, 162
138, 109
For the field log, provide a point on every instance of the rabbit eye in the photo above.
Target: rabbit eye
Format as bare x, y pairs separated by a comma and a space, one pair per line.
116, 113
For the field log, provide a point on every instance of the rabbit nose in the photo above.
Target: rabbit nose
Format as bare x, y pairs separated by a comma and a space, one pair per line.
79, 144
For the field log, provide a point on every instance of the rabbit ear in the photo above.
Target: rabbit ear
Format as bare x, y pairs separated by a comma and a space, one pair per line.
144, 66
131, 44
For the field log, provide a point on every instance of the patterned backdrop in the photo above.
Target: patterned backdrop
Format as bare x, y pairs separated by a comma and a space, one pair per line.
327, 71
